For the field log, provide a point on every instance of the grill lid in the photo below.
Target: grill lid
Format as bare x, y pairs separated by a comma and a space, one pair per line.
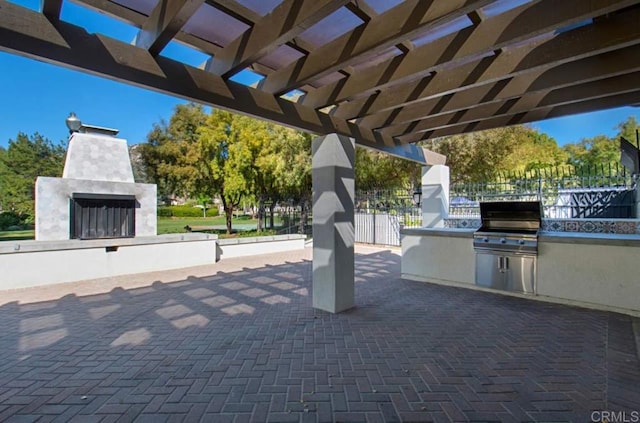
511, 216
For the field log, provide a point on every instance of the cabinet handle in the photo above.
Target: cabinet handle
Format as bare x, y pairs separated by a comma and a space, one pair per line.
506, 263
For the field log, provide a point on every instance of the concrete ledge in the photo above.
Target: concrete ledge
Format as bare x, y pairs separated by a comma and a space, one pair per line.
241, 247
9, 247
624, 240
448, 232
37, 263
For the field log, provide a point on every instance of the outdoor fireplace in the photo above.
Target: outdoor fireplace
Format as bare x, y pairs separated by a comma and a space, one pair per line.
95, 216
97, 196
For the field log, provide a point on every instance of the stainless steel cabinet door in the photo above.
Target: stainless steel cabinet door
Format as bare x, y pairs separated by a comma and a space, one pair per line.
520, 273
489, 272
505, 271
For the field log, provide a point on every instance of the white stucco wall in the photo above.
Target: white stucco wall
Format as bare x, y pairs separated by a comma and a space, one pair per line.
605, 275
592, 270
241, 247
53, 209
34, 263
438, 258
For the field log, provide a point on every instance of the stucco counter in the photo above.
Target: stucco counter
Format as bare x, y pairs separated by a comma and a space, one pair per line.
593, 270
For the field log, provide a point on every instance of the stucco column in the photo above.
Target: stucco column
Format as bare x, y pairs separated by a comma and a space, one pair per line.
333, 223
435, 195
637, 216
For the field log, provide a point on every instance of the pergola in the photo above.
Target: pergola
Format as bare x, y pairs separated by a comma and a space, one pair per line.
384, 74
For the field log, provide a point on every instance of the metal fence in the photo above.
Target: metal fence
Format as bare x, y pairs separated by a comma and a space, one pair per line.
380, 214
565, 192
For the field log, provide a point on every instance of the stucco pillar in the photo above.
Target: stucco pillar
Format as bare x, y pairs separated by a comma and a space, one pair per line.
637, 216
333, 223
435, 195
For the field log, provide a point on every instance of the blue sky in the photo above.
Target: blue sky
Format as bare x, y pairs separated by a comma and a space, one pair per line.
37, 97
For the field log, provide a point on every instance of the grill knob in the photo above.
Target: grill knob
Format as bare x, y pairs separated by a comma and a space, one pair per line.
503, 240
521, 241
485, 239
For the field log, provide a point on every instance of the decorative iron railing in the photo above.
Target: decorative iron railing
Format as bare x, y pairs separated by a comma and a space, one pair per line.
567, 192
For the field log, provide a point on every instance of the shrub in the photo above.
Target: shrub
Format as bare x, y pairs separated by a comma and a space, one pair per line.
165, 211
12, 219
184, 211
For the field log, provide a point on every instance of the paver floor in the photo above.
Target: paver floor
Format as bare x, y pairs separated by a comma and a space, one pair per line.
239, 342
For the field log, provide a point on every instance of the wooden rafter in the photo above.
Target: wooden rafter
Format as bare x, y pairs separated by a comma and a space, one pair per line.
609, 102
528, 102
51, 8
165, 21
517, 25
383, 31
606, 35
391, 81
286, 21
29, 33
606, 65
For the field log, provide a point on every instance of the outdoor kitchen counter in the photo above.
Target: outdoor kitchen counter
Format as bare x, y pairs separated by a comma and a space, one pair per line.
587, 269
630, 240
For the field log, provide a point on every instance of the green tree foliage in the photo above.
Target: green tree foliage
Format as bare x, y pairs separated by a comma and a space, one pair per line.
26, 158
376, 170
628, 128
292, 155
481, 156
601, 151
171, 153
228, 144
592, 152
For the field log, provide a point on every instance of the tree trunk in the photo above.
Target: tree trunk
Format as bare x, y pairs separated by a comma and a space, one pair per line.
260, 215
304, 215
272, 206
228, 213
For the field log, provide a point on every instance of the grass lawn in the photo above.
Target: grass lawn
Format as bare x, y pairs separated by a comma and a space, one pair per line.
165, 226
17, 235
173, 225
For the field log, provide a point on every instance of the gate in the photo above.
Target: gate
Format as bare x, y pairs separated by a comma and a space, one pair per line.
380, 214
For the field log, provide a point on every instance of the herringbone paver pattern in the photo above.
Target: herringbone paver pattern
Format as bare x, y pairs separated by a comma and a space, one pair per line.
239, 342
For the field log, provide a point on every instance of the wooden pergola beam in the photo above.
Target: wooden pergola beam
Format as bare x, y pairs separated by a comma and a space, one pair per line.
165, 21
399, 23
412, 100
29, 33
606, 65
530, 101
51, 8
519, 24
549, 112
286, 21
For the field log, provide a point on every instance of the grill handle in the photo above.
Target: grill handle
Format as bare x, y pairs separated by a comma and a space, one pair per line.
503, 264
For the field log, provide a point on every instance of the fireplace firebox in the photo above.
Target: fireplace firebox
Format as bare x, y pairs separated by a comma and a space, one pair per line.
96, 216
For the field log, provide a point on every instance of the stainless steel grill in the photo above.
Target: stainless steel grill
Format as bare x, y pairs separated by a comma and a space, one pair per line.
506, 245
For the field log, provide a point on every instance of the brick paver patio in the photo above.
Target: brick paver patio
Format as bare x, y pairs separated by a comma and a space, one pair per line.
239, 342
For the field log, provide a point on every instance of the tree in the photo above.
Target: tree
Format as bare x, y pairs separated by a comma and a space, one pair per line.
225, 162
293, 171
375, 170
593, 152
26, 158
172, 149
627, 129
483, 155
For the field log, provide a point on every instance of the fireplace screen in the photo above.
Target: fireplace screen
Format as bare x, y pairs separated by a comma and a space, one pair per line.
102, 216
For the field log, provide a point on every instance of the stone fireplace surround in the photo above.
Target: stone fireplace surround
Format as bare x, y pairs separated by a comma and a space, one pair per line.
95, 164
